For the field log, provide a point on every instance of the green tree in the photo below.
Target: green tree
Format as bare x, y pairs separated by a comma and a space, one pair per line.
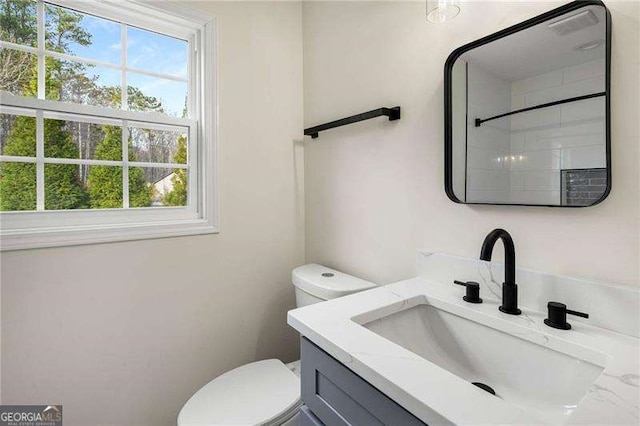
17, 186
62, 28
65, 81
63, 190
62, 186
18, 21
17, 25
18, 180
105, 182
140, 193
178, 194
138, 101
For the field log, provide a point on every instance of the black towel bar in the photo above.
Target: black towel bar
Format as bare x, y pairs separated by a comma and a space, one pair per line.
392, 113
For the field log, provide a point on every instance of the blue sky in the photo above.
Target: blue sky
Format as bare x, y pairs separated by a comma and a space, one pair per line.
146, 51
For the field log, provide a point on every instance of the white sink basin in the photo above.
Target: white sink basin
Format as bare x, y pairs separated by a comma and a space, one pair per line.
546, 382
420, 344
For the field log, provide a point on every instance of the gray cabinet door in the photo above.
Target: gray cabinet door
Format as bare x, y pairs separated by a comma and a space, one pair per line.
337, 396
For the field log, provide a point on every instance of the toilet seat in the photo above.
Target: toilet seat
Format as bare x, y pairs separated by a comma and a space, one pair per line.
263, 392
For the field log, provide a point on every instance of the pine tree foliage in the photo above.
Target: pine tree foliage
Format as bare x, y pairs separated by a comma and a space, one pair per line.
63, 189
178, 194
62, 185
105, 182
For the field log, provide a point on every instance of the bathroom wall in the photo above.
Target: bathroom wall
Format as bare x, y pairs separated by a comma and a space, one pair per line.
125, 333
375, 190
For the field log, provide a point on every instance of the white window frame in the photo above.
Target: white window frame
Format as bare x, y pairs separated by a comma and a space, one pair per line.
47, 228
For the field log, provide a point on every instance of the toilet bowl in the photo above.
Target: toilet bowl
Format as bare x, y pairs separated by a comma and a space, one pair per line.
267, 392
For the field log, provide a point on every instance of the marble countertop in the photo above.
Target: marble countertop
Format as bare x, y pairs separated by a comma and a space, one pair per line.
436, 395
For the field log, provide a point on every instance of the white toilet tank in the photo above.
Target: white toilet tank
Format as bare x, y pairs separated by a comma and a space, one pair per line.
315, 283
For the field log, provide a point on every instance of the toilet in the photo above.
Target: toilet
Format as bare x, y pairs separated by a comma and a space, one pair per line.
267, 392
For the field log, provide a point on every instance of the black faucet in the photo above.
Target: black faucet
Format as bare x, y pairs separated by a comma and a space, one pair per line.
509, 286
557, 317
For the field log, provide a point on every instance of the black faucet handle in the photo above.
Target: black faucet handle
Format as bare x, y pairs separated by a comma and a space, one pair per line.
578, 314
557, 315
473, 291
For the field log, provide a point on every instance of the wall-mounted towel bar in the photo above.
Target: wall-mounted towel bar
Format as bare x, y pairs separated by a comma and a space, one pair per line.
550, 104
392, 113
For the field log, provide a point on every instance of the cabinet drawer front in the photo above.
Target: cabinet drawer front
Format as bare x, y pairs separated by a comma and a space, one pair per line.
337, 396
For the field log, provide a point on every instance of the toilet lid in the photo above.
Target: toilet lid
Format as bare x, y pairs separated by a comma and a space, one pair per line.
252, 394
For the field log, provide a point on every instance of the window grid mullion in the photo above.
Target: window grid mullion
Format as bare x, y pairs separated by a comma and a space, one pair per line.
191, 44
87, 162
195, 163
29, 49
93, 111
125, 123
17, 159
40, 160
41, 48
40, 190
123, 67
125, 164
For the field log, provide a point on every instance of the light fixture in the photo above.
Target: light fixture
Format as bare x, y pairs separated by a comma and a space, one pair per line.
442, 10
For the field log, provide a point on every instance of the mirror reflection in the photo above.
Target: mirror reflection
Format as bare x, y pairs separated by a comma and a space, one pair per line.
529, 117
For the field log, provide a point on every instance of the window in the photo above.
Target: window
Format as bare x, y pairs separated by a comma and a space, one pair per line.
106, 122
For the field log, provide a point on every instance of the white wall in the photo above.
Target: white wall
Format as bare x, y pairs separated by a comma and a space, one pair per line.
374, 190
125, 333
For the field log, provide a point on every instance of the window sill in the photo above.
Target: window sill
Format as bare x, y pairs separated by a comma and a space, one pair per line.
21, 239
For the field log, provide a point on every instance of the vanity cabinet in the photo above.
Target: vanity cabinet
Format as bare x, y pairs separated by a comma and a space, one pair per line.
335, 396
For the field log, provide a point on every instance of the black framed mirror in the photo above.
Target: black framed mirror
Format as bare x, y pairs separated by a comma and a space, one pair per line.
527, 112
